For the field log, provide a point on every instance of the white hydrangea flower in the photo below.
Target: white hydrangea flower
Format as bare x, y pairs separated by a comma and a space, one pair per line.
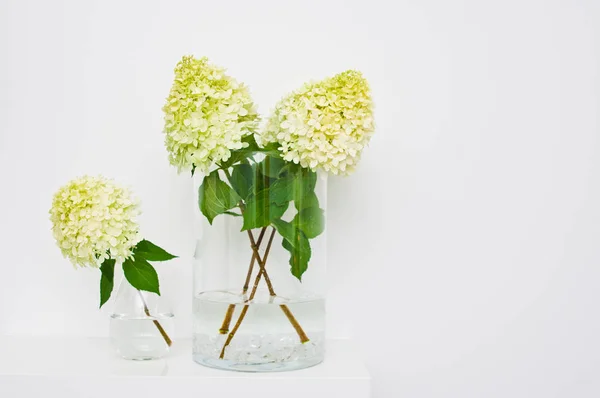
93, 219
206, 115
324, 125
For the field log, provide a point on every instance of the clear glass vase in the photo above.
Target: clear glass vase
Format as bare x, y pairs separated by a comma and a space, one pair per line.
251, 312
141, 324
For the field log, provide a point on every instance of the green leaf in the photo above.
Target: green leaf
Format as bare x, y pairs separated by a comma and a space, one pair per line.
260, 210
282, 190
271, 166
242, 179
141, 275
215, 196
296, 242
232, 213
311, 221
261, 182
309, 200
106, 280
151, 252
305, 182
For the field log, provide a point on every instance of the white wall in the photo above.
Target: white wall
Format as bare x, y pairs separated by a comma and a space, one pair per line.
463, 255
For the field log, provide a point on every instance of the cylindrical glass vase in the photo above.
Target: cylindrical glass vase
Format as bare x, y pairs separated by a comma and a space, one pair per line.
259, 267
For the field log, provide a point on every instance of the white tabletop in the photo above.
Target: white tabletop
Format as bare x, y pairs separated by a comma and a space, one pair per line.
68, 367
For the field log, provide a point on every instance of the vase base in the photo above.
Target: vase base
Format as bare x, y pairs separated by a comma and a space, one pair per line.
260, 335
225, 364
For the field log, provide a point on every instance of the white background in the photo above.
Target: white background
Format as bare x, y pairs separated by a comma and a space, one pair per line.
463, 255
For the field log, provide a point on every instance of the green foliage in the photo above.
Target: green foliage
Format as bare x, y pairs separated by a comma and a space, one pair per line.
311, 221
263, 190
151, 252
260, 210
309, 200
305, 182
107, 280
242, 179
296, 242
141, 274
215, 196
282, 190
268, 196
242, 155
271, 166
138, 271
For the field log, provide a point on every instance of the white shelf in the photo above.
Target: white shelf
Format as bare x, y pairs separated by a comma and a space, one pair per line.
68, 367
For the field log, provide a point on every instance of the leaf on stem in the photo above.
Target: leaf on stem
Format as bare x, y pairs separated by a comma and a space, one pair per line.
305, 182
106, 280
151, 252
242, 179
260, 210
271, 166
309, 200
296, 242
311, 221
215, 196
141, 275
282, 190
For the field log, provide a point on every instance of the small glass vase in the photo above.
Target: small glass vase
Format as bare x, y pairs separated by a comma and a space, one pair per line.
141, 324
243, 322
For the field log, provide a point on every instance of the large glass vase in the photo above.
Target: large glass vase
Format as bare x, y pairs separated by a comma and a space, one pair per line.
259, 266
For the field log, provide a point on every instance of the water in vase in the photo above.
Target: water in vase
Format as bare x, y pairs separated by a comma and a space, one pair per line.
140, 338
273, 334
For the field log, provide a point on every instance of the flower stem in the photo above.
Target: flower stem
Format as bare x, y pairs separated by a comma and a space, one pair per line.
263, 273
252, 294
262, 263
250, 269
156, 322
288, 313
230, 310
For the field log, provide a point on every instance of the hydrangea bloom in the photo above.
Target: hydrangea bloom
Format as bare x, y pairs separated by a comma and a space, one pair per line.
324, 125
206, 115
93, 219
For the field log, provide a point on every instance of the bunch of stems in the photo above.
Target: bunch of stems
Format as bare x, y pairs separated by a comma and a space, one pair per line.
262, 275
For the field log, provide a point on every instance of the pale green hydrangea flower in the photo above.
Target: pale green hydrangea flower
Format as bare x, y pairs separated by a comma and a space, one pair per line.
206, 115
324, 125
93, 219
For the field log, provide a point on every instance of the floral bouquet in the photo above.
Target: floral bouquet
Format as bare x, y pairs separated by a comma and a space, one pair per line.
265, 180
94, 224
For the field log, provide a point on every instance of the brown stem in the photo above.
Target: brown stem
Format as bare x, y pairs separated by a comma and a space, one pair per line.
250, 269
235, 328
262, 272
288, 313
303, 337
227, 320
261, 263
252, 294
231, 308
156, 323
